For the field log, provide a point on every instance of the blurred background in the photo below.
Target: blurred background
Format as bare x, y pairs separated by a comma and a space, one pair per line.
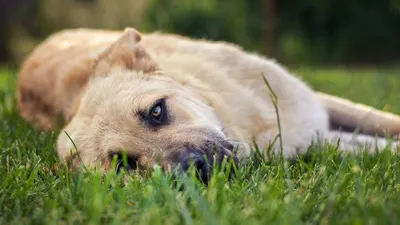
321, 32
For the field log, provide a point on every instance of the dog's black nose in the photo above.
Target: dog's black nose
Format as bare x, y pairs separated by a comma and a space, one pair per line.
202, 158
199, 162
203, 168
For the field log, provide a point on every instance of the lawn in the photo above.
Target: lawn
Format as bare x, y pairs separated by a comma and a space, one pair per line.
322, 188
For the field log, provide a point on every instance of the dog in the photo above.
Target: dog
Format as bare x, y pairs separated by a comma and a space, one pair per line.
169, 100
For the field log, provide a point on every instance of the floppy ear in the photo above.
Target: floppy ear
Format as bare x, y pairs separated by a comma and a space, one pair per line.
125, 53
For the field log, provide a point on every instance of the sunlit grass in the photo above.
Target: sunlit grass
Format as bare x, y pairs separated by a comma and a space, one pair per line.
322, 188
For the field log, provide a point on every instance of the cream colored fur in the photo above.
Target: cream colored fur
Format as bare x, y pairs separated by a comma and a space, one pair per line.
96, 80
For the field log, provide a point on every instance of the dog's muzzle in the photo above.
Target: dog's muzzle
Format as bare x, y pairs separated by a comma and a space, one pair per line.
202, 158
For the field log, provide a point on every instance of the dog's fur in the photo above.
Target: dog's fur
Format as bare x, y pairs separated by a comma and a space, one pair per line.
101, 83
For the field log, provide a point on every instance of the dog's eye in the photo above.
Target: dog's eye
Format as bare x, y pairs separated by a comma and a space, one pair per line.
156, 111
158, 114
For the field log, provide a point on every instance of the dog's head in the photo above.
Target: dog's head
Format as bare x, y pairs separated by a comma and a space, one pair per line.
131, 106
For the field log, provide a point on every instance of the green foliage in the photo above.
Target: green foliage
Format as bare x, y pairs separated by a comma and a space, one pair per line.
306, 31
215, 20
321, 188
293, 31
344, 31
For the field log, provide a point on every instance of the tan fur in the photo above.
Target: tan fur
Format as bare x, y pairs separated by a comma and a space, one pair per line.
98, 80
366, 119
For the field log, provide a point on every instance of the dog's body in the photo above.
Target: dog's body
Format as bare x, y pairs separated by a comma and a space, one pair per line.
95, 79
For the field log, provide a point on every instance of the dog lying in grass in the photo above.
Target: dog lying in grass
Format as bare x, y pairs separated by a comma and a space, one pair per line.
170, 100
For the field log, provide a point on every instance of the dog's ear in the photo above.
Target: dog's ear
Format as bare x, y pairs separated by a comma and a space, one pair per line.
124, 53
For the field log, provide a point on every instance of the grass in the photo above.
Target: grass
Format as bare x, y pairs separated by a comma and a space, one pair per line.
322, 188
